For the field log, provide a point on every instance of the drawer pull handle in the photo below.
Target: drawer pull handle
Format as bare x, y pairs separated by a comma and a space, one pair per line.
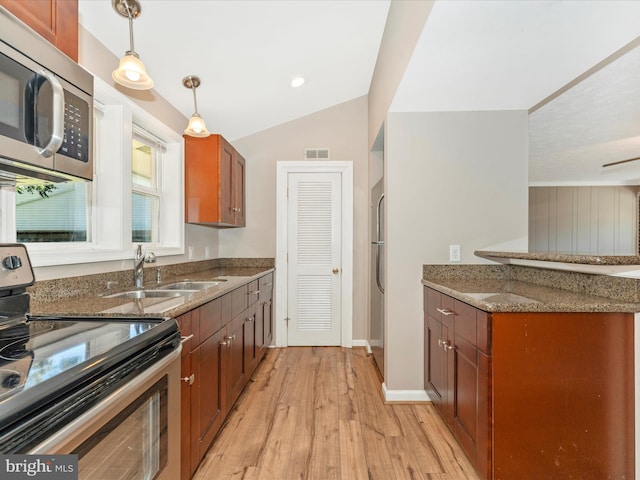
254, 292
190, 379
185, 339
445, 311
249, 319
225, 343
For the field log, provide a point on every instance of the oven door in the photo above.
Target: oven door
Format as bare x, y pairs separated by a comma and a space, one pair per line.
134, 433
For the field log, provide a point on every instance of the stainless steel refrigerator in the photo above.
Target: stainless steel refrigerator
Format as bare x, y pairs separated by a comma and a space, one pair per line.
376, 283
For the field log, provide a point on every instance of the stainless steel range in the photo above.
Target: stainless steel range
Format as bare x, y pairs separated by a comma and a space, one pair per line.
106, 389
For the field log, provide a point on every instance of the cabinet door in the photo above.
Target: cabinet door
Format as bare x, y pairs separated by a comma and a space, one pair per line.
436, 365
235, 359
55, 20
238, 191
465, 406
208, 406
227, 183
250, 347
185, 418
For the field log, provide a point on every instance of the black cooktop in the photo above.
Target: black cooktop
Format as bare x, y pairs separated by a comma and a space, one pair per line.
33, 351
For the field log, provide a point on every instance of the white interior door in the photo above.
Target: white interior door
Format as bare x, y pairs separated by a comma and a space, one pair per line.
314, 252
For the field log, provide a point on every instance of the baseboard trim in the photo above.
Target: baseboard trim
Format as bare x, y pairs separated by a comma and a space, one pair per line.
404, 396
361, 343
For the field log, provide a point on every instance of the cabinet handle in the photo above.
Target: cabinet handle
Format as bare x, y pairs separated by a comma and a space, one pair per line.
190, 379
440, 343
448, 347
445, 311
249, 319
184, 339
225, 343
254, 292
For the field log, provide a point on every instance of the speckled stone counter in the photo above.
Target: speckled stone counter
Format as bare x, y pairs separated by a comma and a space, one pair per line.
87, 295
511, 288
562, 257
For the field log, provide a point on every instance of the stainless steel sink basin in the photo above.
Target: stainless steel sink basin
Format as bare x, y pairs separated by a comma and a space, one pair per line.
151, 293
192, 285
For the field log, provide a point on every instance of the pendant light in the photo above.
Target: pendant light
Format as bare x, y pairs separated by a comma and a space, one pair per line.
131, 72
196, 127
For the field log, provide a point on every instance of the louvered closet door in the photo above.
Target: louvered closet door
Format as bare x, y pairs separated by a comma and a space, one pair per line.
314, 253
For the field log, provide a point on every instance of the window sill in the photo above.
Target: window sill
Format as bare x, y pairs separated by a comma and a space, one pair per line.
67, 255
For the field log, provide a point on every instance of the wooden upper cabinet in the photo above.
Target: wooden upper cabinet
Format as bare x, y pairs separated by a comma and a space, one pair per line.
55, 20
214, 182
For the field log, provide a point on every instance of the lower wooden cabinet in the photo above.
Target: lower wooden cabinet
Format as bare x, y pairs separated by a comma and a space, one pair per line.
533, 395
221, 349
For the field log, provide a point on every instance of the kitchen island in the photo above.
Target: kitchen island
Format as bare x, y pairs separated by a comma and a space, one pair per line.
535, 381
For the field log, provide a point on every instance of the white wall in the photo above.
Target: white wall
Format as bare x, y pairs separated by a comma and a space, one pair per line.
342, 129
450, 178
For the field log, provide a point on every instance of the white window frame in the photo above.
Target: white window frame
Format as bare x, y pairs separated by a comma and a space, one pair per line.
115, 117
154, 191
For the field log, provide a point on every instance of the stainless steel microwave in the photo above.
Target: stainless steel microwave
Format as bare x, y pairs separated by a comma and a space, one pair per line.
46, 107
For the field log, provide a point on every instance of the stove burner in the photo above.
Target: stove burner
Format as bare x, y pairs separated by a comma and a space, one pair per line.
12, 380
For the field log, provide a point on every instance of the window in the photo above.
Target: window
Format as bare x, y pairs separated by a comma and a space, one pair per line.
136, 196
146, 161
53, 212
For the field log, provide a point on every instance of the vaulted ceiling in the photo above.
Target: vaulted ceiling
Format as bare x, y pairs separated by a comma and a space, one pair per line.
472, 55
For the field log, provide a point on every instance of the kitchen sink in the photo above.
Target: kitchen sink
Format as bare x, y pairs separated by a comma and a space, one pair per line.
152, 293
192, 285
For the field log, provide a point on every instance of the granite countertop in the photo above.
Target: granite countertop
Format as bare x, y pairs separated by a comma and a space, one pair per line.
507, 288
562, 257
97, 304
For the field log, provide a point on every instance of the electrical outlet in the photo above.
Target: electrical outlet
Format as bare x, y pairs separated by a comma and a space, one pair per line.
191, 253
454, 253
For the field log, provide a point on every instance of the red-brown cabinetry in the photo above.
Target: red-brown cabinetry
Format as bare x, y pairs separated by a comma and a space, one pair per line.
533, 395
55, 20
220, 353
214, 182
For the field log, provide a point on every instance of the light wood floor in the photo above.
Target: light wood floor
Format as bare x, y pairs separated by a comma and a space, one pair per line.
317, 413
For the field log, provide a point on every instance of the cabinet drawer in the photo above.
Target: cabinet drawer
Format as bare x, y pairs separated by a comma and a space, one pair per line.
238, 301
210, 318
253, 293
466, 322
483, 320
184, 323
439, 306
266, 285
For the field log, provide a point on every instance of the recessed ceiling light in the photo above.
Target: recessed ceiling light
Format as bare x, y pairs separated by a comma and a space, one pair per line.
297, 82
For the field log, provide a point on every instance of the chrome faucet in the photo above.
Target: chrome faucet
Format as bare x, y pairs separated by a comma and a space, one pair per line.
139, 260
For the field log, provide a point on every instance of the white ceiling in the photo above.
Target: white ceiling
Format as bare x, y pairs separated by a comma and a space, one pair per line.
247, 52
472, 55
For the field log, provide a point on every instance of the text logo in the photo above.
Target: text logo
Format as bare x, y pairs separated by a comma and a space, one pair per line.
50, 467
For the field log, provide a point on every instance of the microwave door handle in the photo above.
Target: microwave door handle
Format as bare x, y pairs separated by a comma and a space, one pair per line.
57, 135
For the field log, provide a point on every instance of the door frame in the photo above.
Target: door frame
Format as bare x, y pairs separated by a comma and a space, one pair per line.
283, 168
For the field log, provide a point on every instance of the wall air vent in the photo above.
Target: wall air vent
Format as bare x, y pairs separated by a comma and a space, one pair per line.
316, 154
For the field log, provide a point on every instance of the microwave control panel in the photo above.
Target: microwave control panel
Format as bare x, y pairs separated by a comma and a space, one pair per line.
75, 143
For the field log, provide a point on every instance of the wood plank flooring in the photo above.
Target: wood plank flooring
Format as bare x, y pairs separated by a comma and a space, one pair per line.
317, 413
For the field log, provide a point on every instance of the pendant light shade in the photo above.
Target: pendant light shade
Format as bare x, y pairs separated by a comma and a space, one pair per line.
131, 72
196, 126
